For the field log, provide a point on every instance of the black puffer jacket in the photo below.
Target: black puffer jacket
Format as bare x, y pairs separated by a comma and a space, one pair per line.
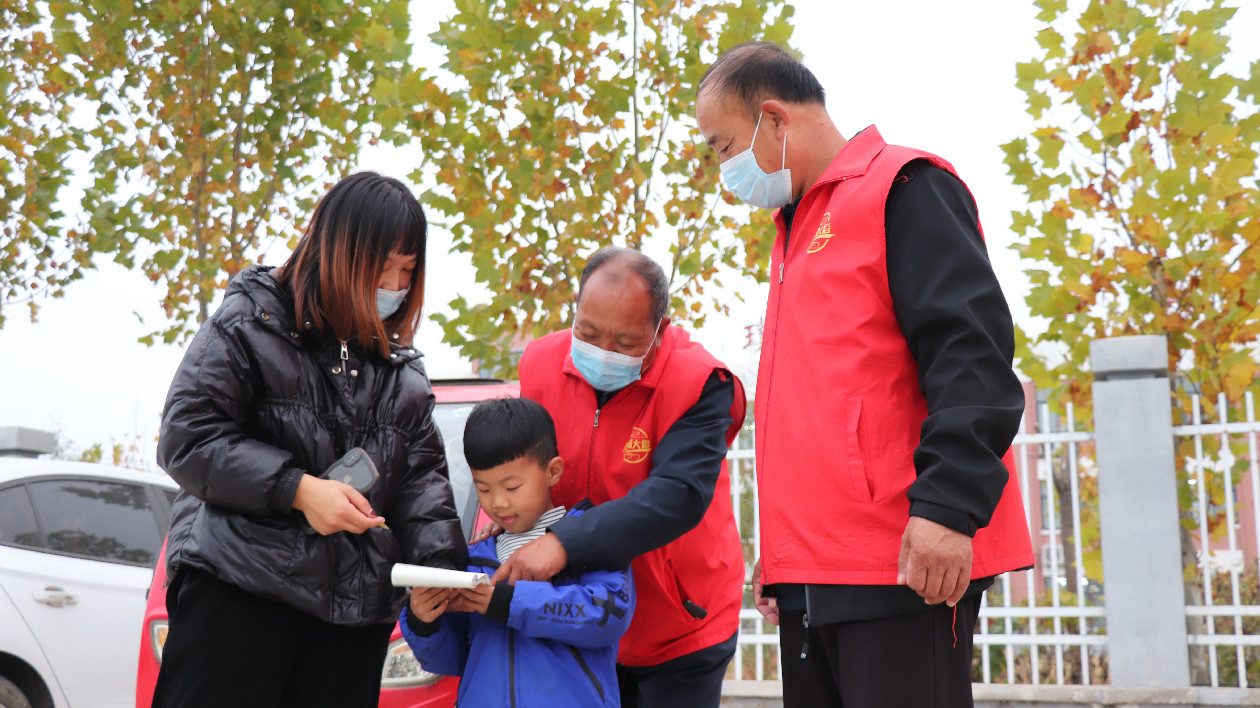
255, 404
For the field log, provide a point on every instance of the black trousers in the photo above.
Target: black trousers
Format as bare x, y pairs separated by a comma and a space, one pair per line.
690, 681
916, 660
228, 647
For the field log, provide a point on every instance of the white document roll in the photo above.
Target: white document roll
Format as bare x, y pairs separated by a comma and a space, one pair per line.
421, 576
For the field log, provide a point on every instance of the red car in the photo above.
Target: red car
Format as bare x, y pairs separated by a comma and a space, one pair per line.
403, 683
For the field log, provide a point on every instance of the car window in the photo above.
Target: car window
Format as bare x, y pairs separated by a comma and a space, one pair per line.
17, 518
450, 419
105, 520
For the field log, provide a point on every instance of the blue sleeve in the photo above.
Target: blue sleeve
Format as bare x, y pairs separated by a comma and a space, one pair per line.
673, 499
445, 651
590, 614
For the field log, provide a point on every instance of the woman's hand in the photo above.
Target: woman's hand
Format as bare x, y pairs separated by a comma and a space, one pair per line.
331, 506
428, 604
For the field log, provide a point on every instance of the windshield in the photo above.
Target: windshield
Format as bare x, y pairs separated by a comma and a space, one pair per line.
450, 418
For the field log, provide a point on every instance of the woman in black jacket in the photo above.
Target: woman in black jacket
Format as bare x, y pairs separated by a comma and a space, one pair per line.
280, 592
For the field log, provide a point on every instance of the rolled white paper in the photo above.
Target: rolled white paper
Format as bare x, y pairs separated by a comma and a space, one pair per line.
422, 576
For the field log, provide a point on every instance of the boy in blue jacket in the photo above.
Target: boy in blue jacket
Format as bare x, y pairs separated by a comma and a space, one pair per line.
532, 643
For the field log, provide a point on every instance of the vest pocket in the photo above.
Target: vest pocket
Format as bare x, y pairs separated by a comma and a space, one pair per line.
854, 460
687, 606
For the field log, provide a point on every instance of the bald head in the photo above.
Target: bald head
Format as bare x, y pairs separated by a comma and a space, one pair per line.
752, 72
615, 264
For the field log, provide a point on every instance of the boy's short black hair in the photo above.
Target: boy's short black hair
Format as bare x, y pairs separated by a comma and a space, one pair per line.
503, 429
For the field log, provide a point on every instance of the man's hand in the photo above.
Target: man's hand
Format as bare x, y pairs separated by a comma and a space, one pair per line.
539, 559
486, 531
935, 561
427, 604
767, 606
331, 506
474, 599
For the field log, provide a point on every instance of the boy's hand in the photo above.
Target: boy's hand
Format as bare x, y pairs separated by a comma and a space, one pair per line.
475, 599
428, 604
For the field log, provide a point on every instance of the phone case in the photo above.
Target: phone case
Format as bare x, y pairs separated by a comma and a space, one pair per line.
356, 469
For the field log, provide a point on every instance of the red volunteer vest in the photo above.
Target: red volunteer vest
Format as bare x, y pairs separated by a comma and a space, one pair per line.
838, 407
605, 457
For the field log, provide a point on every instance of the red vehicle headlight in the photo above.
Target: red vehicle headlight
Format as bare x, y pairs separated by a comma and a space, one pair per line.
402, 669
158, 629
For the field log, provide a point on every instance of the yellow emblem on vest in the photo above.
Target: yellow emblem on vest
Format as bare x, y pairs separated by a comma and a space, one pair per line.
638, 447
822, 235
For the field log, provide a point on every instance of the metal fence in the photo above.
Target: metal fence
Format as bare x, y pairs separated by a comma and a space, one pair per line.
1218, 459
1047, 625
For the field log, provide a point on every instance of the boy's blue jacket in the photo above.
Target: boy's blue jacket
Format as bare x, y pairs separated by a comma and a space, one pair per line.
557, 648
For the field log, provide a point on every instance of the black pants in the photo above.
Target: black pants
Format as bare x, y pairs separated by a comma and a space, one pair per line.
690, 681
916, 660
228, 647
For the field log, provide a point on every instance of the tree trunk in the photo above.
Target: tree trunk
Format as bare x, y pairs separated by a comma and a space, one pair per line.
1200, 675
1067, 532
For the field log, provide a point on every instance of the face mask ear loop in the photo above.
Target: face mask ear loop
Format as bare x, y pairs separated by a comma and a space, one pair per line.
754, 137
784, 158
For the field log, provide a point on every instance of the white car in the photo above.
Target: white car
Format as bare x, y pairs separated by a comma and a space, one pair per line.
78, 543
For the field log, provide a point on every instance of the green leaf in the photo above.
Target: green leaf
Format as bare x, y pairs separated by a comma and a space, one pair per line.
190, 162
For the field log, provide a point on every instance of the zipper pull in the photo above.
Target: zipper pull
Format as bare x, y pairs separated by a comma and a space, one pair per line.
345, 358
805, 623
780, 272
597, 410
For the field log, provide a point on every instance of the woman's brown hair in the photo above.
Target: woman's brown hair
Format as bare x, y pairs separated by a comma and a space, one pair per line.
335, 268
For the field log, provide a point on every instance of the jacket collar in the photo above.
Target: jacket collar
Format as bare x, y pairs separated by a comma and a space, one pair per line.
272, 303
855, 157
852, 161
671, 337
483, 553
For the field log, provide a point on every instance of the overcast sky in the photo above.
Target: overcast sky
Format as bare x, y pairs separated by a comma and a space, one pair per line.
935, 75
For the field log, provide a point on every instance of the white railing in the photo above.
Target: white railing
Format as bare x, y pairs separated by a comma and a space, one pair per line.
1024, 622
1225, 627
1031, 630
757, 654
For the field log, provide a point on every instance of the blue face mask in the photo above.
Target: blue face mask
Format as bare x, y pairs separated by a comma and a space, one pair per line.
387, 301
747, 181
605, 370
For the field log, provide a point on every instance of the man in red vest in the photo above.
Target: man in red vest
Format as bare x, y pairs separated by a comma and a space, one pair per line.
644, 417
885, 403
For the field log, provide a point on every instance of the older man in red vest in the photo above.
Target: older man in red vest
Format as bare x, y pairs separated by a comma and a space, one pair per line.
644, 417
885, 403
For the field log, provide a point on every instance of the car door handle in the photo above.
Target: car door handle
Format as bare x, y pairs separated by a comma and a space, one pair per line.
54, 597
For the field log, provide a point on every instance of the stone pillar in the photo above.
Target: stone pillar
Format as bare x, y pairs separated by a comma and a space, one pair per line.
1137, 500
